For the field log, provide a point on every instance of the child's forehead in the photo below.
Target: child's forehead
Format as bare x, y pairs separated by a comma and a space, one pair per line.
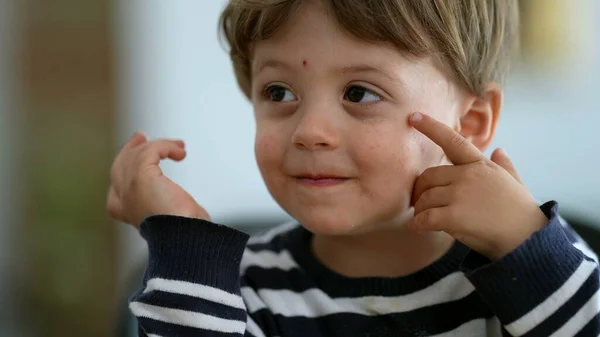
312, 26
339, 52
312, 39
313, 35
347, 56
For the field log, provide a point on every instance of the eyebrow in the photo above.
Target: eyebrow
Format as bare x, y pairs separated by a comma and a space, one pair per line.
358, 68
365, 68
270, 63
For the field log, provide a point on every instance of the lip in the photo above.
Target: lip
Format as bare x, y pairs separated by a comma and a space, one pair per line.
319, 180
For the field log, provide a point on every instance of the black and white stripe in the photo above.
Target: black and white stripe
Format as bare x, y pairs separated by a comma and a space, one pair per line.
549, 286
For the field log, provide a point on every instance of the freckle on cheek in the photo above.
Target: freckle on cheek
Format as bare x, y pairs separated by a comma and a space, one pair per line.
264, 143
268, 146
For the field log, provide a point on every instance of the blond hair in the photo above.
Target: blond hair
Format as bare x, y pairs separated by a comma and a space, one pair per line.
472, 39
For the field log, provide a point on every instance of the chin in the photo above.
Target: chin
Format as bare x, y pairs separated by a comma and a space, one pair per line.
347, 222
327, 222
335, 223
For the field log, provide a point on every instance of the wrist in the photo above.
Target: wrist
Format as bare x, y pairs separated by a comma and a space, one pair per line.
533, 220
198, 213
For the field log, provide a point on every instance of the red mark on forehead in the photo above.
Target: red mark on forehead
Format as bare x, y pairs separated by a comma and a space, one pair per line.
304, 63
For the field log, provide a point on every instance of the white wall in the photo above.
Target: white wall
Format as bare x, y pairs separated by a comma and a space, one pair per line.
177, 81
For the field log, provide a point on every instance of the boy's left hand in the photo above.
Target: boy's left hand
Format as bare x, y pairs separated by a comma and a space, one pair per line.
480, 202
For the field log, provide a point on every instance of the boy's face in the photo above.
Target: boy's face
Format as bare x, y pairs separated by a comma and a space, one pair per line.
333, 142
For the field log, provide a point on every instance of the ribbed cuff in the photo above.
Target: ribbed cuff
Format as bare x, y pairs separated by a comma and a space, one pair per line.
518, 282
193, 250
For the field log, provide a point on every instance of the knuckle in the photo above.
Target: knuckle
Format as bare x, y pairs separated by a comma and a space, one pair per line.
465, 174
491, 168
483, 165
156, 147
145, 150
431, 220
416, 223
429, 173
482, 170
426, 196
419, 208
416, 188
474, 171
455, 193
427, 177
427, 218
471, 171
160, 143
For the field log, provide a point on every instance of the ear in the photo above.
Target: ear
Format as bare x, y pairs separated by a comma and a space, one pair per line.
480, 116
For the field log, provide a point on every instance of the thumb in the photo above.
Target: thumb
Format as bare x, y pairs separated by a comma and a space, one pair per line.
500, 157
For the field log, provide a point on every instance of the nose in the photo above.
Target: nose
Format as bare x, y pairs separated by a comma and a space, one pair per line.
318, 128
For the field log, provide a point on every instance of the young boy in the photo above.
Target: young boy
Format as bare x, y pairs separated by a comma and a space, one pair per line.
371, 117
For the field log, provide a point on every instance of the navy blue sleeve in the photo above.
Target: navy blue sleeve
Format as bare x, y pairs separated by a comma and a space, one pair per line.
192, 282
548, 286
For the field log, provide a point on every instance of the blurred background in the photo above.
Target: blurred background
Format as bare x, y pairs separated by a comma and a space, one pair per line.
77, 78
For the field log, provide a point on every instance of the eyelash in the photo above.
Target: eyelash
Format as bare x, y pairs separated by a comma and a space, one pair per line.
265, 94
365, 105
265, 91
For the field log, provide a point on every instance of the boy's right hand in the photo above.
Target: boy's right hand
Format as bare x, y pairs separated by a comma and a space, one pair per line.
138, 187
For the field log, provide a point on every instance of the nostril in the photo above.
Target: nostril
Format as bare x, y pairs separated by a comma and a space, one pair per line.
312, 146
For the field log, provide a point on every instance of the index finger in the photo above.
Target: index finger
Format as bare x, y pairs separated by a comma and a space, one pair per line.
456, 147
137, 139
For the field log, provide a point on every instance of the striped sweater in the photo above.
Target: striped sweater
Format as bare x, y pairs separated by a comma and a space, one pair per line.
205, 279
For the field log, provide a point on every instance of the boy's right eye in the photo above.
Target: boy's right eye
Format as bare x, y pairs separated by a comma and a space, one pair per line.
277, 93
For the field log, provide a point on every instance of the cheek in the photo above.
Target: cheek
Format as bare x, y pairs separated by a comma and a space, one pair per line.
389, 157
394, 158
266, 150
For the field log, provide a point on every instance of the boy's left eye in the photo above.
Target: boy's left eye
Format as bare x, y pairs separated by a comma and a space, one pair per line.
358, 94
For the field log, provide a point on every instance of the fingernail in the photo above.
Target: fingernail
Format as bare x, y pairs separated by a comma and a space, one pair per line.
416, 117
